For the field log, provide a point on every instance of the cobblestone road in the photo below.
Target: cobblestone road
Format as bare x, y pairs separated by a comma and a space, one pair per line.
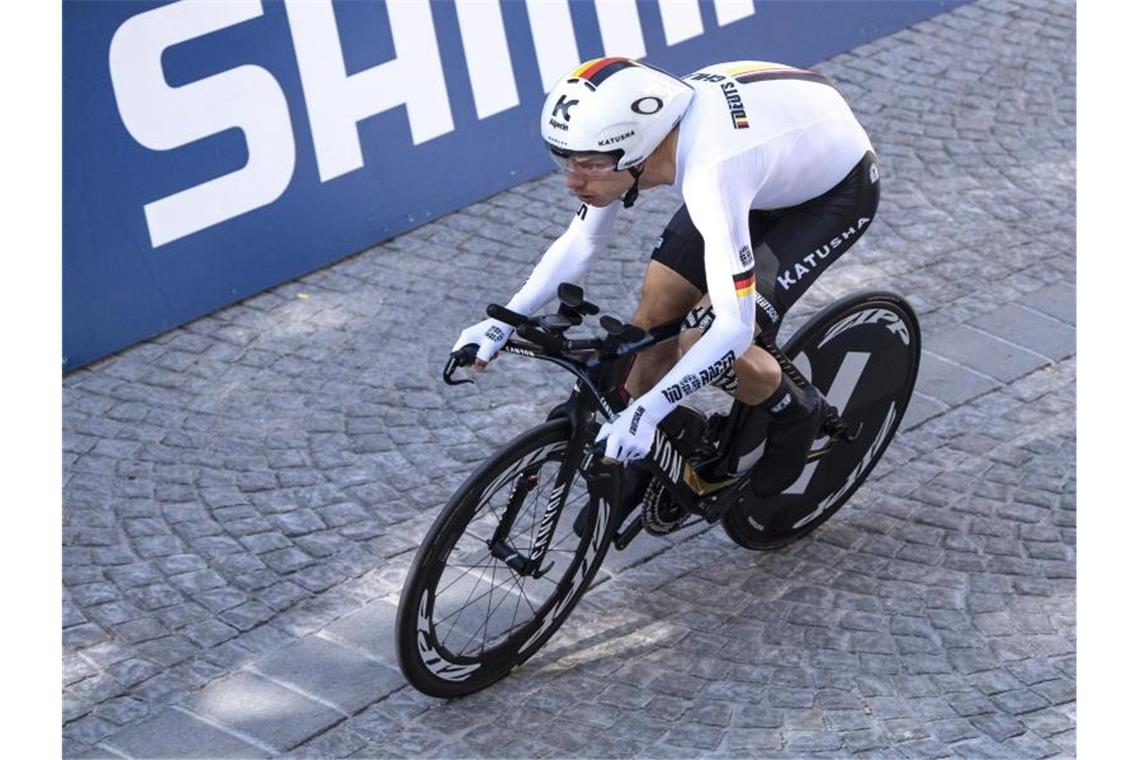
242, 495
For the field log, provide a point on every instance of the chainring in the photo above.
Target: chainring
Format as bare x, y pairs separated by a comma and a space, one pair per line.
659, 515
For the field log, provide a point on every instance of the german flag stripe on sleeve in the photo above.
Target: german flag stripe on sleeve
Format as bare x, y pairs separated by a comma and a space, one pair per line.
745, 283
598, 70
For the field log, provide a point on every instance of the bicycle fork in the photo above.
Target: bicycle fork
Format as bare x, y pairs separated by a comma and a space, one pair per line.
599, 484
500, 548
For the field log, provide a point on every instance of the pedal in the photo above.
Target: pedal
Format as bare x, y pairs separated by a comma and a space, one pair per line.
723, 502
834, 427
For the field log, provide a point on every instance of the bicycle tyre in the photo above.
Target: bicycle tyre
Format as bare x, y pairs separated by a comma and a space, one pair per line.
865, 347
429, 658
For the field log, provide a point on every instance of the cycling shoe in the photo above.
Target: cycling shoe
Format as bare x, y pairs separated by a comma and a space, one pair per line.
789, 442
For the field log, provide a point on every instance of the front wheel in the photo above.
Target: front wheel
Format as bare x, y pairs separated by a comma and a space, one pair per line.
467, 618
862, 353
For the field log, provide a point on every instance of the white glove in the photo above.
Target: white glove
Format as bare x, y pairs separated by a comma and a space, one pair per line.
490, 335
630, 435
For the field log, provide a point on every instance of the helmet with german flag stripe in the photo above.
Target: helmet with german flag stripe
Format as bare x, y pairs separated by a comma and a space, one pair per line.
617, 106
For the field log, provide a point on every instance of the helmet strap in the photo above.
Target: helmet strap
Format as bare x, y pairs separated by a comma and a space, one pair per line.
630, 196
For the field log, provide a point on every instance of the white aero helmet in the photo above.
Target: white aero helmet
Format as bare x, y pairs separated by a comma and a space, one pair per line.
613, 105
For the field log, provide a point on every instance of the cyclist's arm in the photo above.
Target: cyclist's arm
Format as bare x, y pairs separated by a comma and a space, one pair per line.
718, 204
568, 258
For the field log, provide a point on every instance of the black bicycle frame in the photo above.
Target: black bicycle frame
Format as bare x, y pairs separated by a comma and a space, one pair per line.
599, 378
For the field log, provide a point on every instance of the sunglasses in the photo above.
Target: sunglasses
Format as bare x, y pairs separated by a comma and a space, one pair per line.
594, 165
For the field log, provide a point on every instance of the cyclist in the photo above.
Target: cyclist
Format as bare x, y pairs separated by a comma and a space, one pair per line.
777, 178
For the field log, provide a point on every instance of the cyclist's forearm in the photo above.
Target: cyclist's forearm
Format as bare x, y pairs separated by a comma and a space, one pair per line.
566, 260
712, 355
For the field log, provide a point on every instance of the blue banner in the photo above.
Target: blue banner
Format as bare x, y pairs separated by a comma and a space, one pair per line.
212, 150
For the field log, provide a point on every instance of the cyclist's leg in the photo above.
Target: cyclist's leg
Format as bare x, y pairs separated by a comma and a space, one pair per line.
793, 247
756, 374
675, 286
669, 292
666, 295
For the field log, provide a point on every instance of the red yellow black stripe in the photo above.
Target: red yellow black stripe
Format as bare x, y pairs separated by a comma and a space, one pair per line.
745, 283
599, 69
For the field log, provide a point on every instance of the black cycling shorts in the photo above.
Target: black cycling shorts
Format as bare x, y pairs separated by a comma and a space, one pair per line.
792, 246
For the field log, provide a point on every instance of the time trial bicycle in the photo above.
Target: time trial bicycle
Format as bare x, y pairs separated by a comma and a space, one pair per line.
519, 542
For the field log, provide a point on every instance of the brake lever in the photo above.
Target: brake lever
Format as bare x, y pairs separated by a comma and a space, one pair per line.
464, 357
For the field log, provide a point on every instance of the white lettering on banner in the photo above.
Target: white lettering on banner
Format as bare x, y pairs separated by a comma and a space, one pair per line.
337, 101
554, 41
728, 11
249, 98
487, 55
681, 20
620, 26
161, 117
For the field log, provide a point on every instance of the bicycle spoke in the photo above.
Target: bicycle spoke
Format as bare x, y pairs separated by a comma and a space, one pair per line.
487, 619
522, 595
475, 622
462, 575
472, 600
473, 587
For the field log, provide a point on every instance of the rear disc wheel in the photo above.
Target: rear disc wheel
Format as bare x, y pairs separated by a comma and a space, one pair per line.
862, 353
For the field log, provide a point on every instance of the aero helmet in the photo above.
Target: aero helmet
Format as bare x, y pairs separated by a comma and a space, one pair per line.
613, 105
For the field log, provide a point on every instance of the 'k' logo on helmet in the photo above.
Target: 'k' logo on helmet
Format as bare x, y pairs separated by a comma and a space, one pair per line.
563, 105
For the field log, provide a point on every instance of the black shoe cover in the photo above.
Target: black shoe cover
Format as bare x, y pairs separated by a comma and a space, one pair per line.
789, 441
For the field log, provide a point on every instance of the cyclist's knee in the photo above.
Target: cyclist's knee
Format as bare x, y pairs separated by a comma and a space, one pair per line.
665, 296
649, 366
759, 375
686, 340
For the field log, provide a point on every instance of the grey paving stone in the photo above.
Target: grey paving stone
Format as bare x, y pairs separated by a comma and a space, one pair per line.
984, 353
272, 714
370, 629
333, 673
174, 733
1058, 301
950, 383
1024, 327
998, 727
920, 409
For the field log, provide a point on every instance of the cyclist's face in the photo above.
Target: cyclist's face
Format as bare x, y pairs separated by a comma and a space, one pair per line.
592, 178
